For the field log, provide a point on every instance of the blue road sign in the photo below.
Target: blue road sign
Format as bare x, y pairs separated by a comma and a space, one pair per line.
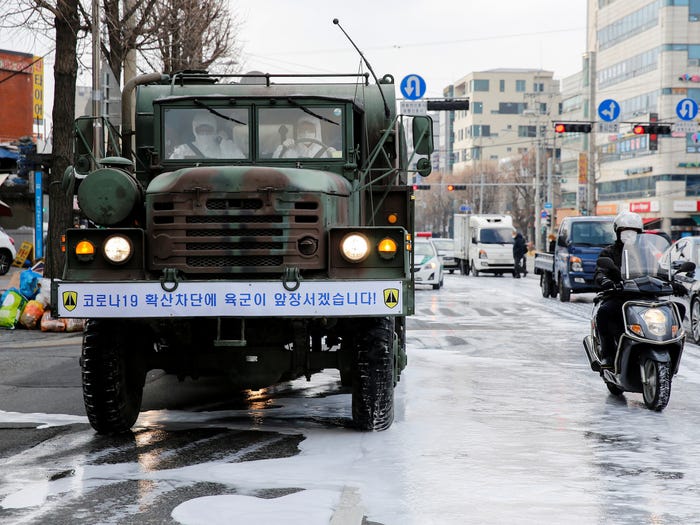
547, 205
687, 109
412, 87
609, 110
544, 214
465, 207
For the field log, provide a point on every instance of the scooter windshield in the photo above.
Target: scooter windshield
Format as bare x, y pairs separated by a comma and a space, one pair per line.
642, 256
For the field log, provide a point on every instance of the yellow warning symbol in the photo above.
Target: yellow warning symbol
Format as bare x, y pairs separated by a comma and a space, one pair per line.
70, 300
391, 297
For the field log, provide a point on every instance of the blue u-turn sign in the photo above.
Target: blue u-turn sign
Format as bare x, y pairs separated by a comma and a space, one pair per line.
412, 87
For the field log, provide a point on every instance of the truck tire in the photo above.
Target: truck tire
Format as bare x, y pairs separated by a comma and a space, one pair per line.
475, 272
373, 375
545, 284
564, 291
113, 377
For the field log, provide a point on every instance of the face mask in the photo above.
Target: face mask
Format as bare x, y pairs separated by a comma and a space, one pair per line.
628, 236
307, 135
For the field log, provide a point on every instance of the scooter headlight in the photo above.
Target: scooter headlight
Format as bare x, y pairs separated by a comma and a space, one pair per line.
656, 321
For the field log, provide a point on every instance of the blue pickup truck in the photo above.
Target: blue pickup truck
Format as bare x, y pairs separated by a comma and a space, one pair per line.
570, 267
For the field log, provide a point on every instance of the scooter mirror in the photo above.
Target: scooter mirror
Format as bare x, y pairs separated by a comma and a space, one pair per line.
608, 264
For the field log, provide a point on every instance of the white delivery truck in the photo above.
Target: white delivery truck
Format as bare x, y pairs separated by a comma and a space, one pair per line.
484, 243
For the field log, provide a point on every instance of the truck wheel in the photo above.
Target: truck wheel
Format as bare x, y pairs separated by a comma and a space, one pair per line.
657, 389
113, 377
544, 285
564, 291
552, 287
373, 375
474, 270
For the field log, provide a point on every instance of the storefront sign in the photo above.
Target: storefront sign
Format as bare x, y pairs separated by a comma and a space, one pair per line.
691, 206
644, 206
606, 209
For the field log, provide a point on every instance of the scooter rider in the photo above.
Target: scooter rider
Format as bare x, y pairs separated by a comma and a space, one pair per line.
609, 319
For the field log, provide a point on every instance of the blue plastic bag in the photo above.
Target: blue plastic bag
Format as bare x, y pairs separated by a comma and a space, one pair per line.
29, 284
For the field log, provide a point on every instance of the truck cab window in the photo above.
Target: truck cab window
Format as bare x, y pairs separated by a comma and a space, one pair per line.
293, 133
202, 133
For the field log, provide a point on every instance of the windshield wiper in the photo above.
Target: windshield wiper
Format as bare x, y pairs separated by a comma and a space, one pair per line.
217, 113
307, 110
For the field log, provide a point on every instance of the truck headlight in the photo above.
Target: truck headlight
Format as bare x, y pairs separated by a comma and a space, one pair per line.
117, 249
576, 264
354, 247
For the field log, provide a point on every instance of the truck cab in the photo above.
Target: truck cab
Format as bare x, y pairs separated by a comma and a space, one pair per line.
570, 268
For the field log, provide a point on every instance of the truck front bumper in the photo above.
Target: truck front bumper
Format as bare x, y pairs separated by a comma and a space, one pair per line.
153, 299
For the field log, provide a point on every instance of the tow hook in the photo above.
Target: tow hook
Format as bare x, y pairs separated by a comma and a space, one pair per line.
169, 281
291, 280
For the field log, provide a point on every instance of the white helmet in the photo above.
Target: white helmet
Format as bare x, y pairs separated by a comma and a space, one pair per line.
627, 220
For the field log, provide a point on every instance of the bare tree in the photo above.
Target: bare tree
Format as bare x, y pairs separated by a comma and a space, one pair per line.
191, 34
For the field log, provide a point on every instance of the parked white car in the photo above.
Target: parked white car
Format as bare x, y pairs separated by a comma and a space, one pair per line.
427, 265
7, 252
446, 250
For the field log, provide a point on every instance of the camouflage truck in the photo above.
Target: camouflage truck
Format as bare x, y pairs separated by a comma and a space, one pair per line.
251, 250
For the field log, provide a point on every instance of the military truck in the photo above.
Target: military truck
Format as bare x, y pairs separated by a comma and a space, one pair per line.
252, 226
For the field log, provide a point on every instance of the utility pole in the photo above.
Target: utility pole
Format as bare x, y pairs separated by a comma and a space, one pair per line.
97, 141
538, 219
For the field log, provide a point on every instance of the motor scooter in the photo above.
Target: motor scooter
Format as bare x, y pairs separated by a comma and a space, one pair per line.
648, 351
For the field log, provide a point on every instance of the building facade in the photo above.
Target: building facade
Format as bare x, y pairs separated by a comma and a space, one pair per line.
646, 57
506, 108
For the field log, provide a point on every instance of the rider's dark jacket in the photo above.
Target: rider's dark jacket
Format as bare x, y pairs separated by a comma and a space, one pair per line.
614, 252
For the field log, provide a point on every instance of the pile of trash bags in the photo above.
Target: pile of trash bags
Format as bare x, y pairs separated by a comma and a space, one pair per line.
28, 306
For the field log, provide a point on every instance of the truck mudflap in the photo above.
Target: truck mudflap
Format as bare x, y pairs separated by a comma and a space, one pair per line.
152, 299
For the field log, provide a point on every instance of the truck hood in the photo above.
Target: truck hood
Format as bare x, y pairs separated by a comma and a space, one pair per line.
249, 179
585, 252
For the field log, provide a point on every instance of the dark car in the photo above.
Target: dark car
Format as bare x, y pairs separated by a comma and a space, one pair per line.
687, 249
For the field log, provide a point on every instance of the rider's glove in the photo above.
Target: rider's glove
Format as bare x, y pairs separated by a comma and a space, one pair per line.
607, 284
678, 289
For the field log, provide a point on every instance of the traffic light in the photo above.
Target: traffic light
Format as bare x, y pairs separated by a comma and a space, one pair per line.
421, 187
456, 187
447, 105
651, 129
573, 127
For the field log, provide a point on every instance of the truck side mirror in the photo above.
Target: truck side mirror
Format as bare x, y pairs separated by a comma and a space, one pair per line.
423, 135
561, 241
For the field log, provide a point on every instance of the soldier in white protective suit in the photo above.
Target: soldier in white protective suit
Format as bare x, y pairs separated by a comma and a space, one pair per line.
308, 142
208, 142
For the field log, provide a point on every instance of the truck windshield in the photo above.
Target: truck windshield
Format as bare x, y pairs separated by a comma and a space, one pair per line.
206, 132
304, 132
594, 233
496, 236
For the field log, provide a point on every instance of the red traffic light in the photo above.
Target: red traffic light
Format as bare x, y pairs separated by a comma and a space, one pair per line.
651, 129
421, 187
450, 187
572, 127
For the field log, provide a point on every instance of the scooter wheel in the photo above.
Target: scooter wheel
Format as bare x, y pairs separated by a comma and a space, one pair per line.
657, 389
614, 390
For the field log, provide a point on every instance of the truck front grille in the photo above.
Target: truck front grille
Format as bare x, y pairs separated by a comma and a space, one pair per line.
220, 234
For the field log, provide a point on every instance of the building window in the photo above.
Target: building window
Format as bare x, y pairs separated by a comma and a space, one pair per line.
479, 84
477, 108
527, 131
694, 10
501, 85
520, 86
510, 108
538, 87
